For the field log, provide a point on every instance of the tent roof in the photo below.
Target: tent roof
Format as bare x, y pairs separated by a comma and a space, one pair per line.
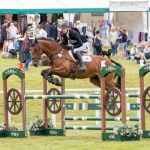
86, 6
52, 6
56, 6
144, 7
31, 6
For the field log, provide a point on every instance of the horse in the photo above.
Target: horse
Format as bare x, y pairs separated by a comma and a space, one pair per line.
63, 65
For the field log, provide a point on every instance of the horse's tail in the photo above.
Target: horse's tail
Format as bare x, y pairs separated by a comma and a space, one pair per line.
118, 81
119, 65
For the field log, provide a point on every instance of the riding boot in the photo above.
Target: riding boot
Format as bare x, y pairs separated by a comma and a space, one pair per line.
82, 66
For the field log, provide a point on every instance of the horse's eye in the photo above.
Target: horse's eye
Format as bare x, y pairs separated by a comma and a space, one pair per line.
35, 49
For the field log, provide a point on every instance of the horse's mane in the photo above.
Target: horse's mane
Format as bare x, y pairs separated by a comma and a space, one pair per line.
46, 39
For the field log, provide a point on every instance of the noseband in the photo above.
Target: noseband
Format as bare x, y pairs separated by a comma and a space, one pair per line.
36, 59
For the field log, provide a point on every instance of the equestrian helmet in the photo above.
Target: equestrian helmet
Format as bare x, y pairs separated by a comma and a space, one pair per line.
64, 25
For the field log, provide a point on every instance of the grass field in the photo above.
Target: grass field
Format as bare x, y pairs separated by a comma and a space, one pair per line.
74, 139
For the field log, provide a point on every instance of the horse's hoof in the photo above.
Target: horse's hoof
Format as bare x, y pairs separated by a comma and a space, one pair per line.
56, 82
60, 84
49, 79
53, 81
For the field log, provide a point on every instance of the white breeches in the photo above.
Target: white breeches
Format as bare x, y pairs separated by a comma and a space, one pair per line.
84, 47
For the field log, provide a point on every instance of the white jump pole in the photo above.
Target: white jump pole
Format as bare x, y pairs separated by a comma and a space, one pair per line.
97, 113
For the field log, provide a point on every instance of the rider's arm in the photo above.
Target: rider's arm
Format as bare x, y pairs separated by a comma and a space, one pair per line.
64, 39
78, 43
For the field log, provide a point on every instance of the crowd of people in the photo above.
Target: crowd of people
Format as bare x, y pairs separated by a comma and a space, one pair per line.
65, 31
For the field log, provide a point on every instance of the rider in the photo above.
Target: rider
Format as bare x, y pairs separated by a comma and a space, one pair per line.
80, 44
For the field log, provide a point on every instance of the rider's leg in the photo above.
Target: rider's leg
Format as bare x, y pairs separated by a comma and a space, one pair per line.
82, 66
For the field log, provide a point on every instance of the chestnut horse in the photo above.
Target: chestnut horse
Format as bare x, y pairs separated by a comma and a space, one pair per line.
62, 64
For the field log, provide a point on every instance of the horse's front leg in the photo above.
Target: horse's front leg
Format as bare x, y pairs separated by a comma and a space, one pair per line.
47, 74
44, 72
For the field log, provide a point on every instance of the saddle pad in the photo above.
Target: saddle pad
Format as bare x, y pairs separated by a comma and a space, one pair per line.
84, 58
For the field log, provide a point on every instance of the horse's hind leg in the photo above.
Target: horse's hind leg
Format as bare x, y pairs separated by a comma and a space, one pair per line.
109, 82
95, 80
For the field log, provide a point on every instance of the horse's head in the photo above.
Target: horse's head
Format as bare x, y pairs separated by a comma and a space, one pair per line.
36, 53
47, 46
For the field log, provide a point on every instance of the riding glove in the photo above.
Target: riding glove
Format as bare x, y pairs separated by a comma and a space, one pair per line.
68, 47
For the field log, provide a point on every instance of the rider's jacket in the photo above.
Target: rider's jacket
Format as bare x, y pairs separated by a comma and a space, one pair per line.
76, 36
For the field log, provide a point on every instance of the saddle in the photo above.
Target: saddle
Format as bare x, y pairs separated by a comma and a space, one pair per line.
83, 52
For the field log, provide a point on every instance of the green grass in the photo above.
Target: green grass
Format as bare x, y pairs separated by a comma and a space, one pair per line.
74, 139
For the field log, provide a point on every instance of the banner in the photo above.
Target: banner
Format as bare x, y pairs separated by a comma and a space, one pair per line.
129, 6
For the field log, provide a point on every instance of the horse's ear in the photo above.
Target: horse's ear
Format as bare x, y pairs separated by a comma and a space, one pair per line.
36, 41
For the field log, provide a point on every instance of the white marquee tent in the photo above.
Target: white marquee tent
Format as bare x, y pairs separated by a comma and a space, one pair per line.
67, 7
133, 17
52, 6
135, 21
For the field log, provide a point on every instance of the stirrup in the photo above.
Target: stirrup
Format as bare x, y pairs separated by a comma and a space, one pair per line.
82, 69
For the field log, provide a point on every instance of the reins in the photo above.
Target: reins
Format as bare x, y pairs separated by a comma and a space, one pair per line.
59, 52
60, 55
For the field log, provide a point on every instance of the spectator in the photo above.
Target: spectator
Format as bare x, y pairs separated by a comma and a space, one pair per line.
147, 50
113, 37
121, 44
98, 40
70, 25
2, 19
37, 33
58, 30
13, 31
59, 20
79, 26
53, 31
27, 50
46, 27
4, 30
90, 36
125, 37
10, 47
94, 31
42, 32
134, 52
